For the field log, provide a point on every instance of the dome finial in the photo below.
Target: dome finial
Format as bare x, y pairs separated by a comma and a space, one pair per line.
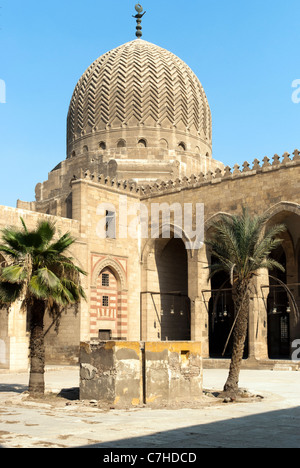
139, 16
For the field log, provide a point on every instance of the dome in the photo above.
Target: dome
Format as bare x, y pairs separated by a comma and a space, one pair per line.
139, 95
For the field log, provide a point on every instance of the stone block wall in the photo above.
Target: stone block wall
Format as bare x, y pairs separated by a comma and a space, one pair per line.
132, 373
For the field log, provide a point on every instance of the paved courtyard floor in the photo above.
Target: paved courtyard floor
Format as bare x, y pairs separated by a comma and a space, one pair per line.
272, 421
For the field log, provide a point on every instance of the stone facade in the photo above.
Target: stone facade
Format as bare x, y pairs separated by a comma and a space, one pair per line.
124, 157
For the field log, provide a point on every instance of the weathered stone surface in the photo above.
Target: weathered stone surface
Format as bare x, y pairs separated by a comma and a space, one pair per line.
141, 372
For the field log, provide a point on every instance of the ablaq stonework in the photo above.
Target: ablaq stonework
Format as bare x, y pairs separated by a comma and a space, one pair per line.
139, 135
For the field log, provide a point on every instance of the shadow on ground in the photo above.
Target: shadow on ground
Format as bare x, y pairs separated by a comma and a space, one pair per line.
14, 388
274, 429
69, 393
66, 393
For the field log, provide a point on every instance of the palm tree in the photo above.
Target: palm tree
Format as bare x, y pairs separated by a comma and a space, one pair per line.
242, 246
43, 278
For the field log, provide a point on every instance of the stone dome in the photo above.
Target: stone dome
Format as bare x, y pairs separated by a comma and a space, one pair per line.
139, 95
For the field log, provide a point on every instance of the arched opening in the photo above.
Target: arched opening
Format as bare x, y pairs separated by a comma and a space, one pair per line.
102, 145
163, 143
121, 144
107, 292
221, 317
181, 146
108, 316
142, 143
283, 318
174, 304
278, 311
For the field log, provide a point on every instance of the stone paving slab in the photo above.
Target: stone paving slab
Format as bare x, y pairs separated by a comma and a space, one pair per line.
271, 422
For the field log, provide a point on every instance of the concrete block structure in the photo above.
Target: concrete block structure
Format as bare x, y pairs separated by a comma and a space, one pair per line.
125, 373
173, 371
111, 372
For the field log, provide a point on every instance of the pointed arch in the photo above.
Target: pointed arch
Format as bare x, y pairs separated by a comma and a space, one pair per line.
115, 266
282, 207
174, 231
108, 306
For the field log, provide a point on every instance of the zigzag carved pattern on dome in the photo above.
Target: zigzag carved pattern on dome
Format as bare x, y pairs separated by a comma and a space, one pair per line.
138, 81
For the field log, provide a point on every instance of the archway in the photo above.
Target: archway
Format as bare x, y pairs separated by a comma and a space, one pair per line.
221, 315
221, 307
108, 308
283, 321
172, 269
165, 303
278, 311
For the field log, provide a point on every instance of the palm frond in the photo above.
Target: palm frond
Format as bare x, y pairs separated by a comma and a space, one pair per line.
24, 225
47, 278
37, 288
9, 292
13, 240
62, 244
241, 245
46, 230
13, 274
39, 267
8, 251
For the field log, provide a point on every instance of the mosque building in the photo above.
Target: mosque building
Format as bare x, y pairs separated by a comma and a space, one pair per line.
139, 190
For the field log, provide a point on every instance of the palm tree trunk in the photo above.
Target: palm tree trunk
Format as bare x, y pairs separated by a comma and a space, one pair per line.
241, 299
37, 348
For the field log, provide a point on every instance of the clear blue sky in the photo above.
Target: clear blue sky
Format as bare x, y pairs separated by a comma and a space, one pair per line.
246, 55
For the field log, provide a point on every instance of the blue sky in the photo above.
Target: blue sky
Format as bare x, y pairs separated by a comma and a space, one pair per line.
246, 55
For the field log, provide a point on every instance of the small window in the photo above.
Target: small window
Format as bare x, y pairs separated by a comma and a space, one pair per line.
105, 335
181, 146
105, 279
102, 145
142, 143
110, 225
121, 144
105, 301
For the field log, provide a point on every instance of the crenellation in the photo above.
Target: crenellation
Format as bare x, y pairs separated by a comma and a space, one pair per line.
296, 156
256, 165
210, 177
227, 172
286, 158
236, 170
276, 160
246, 167
266, 162
218, 173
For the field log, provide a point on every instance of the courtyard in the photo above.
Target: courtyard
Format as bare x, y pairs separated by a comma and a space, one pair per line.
271, 419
